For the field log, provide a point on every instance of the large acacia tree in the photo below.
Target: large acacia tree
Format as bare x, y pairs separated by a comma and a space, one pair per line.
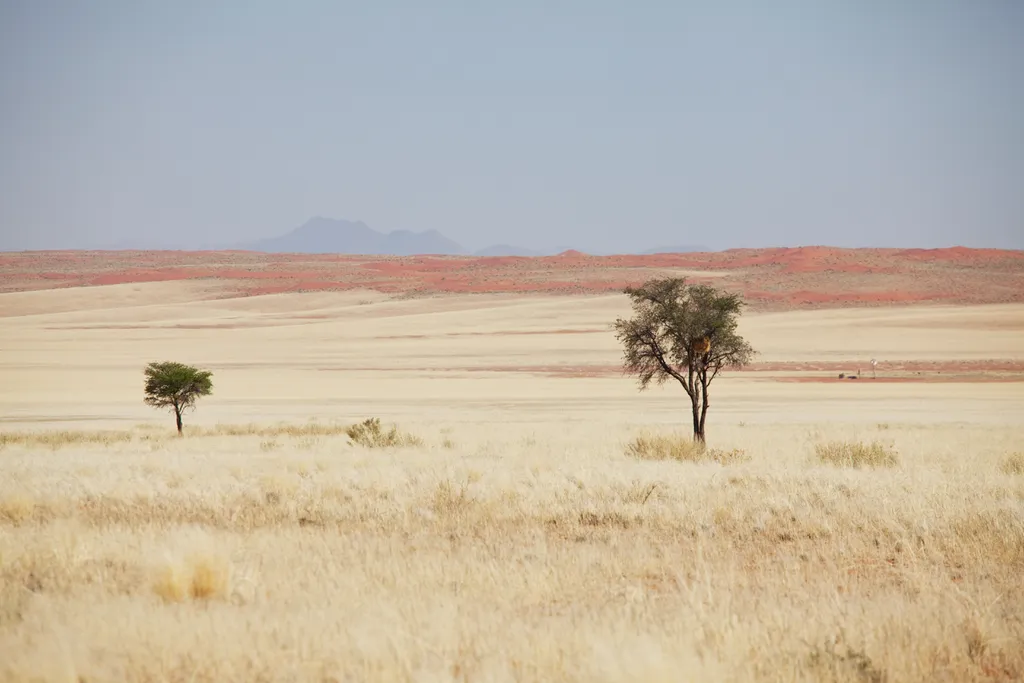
684, 332
176, 386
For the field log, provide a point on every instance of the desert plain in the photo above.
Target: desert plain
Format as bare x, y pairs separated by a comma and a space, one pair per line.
519, 526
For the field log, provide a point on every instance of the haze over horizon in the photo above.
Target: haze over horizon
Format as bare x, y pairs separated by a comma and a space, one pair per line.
591, 124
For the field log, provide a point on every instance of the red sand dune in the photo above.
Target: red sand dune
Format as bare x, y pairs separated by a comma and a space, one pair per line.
778, 278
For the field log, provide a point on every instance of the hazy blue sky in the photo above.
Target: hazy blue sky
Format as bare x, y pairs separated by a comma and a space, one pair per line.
597, 124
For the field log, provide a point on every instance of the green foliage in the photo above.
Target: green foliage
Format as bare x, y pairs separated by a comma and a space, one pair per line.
176, 385
857, 455
370, 434
670, 316
663, 340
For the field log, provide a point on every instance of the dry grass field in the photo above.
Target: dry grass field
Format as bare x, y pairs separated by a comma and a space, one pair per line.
543, 521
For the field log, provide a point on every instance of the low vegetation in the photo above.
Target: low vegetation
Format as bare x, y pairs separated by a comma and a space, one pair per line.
533, 557
272, 431
62, 438
200, 576
856, 454
1013, 464
370, 434
680, 448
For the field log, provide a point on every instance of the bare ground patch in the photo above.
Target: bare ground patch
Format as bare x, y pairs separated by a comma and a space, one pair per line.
903, 380
499, 333
994, 370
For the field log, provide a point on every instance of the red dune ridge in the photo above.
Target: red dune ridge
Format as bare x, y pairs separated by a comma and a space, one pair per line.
777, 278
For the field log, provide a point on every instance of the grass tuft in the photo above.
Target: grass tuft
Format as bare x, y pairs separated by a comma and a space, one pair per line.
198, 577
681, 449
856, 454
1012, 464
370, 434
451, 500
17, 509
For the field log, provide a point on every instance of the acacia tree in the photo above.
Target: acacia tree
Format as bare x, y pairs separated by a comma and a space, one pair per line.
682, 332
176, 386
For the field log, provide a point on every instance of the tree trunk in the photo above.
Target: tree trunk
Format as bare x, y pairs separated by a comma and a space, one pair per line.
698, 419
694, 392
177, 418
698, 433
704, 406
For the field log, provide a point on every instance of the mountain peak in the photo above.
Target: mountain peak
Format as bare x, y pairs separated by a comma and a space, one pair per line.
322, 235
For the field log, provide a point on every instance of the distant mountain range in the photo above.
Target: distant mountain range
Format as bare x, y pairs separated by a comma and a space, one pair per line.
321, 235
327, 236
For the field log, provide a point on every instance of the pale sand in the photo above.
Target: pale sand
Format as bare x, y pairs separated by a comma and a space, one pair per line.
518, 542
348, 354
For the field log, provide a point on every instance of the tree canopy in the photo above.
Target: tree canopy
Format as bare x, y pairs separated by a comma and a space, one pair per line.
684, 332
177, 386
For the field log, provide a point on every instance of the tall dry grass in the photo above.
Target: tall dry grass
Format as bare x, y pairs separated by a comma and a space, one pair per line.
681, 448
1012, 463
857, 454
513, 557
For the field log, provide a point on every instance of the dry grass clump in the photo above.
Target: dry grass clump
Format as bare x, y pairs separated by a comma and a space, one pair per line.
1012, 464
370, 434
200, 576
680, 448
16, 509
857, 454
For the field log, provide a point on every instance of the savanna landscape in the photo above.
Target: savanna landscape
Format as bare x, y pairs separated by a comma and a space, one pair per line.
435, 469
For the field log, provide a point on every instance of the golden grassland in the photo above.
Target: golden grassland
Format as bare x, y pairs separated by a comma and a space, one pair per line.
490, 556
494, 525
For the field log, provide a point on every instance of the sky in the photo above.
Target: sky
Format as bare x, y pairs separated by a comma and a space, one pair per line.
608, 126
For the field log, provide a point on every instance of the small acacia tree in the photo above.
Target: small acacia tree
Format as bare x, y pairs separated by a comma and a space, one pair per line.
683, 332
176, 386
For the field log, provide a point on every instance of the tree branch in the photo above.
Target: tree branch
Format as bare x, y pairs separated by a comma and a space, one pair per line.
666, 367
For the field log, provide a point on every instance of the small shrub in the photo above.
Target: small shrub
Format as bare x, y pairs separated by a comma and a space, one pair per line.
680, 448
370, 434
1013, 464
856, 454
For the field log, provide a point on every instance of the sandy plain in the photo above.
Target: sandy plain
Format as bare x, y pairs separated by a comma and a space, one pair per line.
517, 541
